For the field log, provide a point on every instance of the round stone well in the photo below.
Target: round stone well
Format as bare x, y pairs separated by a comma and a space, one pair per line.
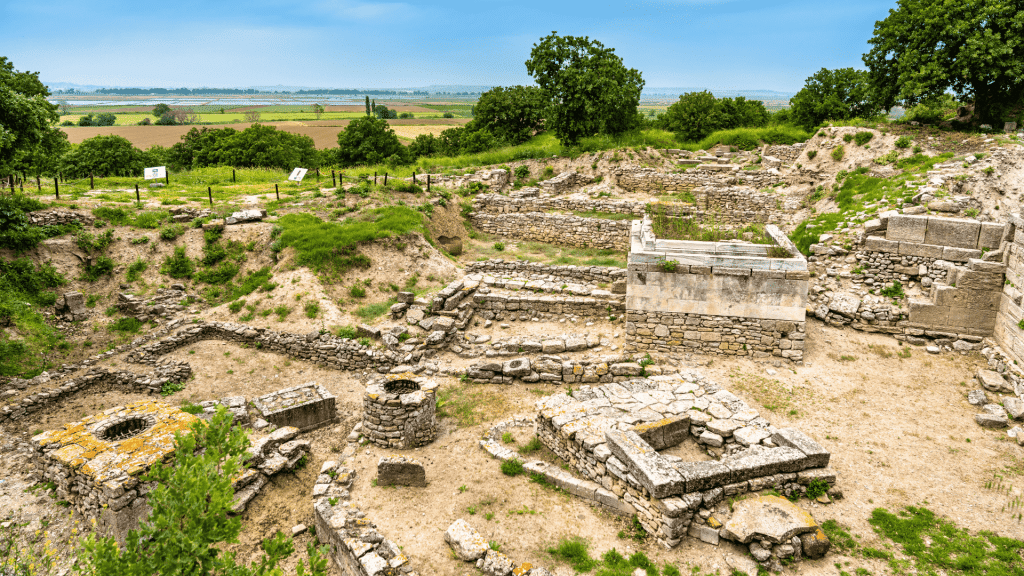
399, 411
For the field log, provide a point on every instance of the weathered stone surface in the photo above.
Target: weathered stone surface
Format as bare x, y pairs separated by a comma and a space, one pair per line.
815, 544
1014, 408
992, 381
466, 542
495, 563
401, 471
518, 367
817, 455
991, 420
767, 517
845, 304
646, 465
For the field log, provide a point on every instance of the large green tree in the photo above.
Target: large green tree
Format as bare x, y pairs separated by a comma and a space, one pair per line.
511, 114
27, 121
588, 88
834, 95
698, 114
974, 48
368, 140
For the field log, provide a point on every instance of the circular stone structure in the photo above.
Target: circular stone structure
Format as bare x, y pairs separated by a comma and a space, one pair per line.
398, 411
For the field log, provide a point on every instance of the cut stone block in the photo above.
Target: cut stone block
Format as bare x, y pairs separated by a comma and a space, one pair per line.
903, 228
818, 457
466, 542
649, 468
305, 407
953, 232
401, 471
769, 518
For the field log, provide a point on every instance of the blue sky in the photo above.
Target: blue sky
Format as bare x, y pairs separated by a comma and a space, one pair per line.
724, 44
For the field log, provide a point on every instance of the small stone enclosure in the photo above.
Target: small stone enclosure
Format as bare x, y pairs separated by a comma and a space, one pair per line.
399, 411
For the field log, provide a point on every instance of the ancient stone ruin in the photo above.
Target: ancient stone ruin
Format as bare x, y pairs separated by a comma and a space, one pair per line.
399, 411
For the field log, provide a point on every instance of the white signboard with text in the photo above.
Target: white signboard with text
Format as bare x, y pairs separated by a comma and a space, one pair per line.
298, 174
155, 172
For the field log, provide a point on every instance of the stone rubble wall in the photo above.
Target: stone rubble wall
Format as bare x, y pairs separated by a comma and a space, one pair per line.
565, 182
494, 203
356, 547
783, 152
538, 271
883, 268
552, 368
58, 217
556, 229
403, 421
651, 181
99, 379
668, 332
322, 349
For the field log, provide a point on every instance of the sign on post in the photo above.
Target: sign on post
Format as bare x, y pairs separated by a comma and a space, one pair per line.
155, 173
298, 174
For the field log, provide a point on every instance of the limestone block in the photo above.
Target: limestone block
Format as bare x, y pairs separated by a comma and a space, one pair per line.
645, 464
953, 232
904, 228
876, 244
922, 311
793, 438
993, 381
923, 250
466, 542
844, 303
401, 471
972, 319
769, 518
977, 280
991, 235
954, 254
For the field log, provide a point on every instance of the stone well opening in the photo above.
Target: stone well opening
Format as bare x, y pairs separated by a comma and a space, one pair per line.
399, 411
400, 386
124, 429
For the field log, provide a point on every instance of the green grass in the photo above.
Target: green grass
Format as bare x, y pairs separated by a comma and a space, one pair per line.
135, 270
31, 345
936, 545
371, 312
126, 326
576, 552
857, 189
331, 248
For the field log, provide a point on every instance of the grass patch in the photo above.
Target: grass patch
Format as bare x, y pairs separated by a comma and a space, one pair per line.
126, 326
709, 230
469, 405
135, 270
178, 265
373, 311
768, 392
576, 552
32, 345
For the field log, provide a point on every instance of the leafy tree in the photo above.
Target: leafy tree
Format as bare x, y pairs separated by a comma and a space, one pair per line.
367, 105
698, 114
382, 111
104, 156
424, 145
86, 120
256, 146
511, 114
27, 120
105, 120
449, 142
588, 89
974, 48
318, 110
476, 141
161, 109
838, 94
190, 518
368, 140
167, 119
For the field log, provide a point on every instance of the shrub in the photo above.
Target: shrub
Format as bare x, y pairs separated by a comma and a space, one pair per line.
126, 325
512, 467
499, 246
863, 137
838, 153
811, 154
522, 172
312, 309
178, 265
135, 269
903, 142
89, 243
349, 332
847, 138
669, 266
97, 268
171, 233
219, 274
357, 292
118, 216
893, 291
236, 306
171, 387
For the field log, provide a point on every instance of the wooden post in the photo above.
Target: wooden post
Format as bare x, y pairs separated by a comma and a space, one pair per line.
11, 181
413, 175
318, 174
39, 183
334, 180
91, 187
385, 178
137, 199
341, 181
428, 182
278, 192
56, 186
374, 178
232, 174
209, 192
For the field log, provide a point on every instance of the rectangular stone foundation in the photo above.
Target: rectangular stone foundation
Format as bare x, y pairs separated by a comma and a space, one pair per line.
670, 332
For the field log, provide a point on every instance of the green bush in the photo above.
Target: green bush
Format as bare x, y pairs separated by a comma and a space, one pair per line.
172, 232
236, 306
863, 137
15, 231
903, 142
522, 172
117, 216
811, 154
893, 291
311, 309
135, 270
219, 274
97, 268
512, 467
357, 292
126, 325
178, 265
349, 332
499, 246
838, 152
90, 243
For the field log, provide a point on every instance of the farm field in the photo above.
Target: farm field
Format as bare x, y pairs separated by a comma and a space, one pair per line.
323, 132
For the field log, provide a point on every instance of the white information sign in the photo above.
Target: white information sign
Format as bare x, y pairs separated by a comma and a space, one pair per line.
155, 172
298, 174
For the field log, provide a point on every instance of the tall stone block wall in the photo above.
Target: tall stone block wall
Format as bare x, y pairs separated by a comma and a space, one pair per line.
1007, 330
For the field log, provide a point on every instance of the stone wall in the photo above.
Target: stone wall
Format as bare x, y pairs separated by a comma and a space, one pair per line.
783, 152
1008, 333
402, 418
556, 229
99, 380
550, 368
714, 335
969, 304
651, 181
565, 182
495, 203
58, 217
882, 268
323, 349
538, 271
952, 239
548, 304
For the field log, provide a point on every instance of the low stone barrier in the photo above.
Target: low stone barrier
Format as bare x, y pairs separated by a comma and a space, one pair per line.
651, 181
538, 271
58, 217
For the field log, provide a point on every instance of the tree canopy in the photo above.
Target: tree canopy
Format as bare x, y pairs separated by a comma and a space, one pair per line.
257, 146
589, 90
974, 48
368, 140
834, 95
698, 114
27, 120
511, 114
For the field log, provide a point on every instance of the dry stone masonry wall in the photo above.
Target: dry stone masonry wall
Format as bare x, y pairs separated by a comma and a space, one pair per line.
556, 229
